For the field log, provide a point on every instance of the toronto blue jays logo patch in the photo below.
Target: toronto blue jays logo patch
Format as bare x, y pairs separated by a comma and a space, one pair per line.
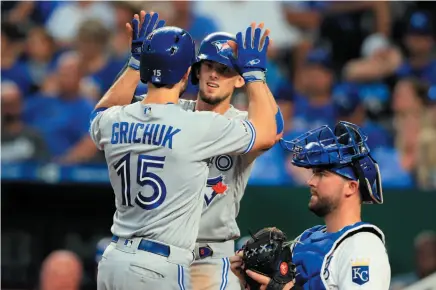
360, 272
222, 47
215, 187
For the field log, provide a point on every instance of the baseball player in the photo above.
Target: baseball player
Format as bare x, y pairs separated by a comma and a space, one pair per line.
345, 253
157, 153
217, 78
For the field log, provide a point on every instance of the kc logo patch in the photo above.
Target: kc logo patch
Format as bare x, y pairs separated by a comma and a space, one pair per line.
360, 272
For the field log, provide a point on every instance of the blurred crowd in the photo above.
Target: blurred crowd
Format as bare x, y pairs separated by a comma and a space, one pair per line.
372, 63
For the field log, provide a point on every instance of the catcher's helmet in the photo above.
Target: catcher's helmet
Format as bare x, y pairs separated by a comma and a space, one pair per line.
167, 53
343, 151
214, 47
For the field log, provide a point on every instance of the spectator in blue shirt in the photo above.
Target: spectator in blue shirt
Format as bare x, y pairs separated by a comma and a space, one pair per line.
419, 43
313, 107
11, 67
349, 107
63, 119
19, 142
375, 98
99, 67
40, 55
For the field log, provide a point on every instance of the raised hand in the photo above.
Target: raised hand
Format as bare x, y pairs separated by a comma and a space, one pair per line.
140, 27
250, 53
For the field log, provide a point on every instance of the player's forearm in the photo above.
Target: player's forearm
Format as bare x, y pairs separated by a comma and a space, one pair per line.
272, 100
277, 114
262, 115
121, 92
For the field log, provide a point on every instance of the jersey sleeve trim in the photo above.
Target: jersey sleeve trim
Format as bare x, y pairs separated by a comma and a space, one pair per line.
253, 136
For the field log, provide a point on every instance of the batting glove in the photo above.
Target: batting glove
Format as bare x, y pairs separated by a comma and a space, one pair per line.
150, 24
251, 59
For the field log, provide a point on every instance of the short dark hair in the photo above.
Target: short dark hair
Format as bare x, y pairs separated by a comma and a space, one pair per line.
161, 86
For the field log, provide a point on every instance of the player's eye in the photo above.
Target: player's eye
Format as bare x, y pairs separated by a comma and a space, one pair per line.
224, 70
208, 64
319, 172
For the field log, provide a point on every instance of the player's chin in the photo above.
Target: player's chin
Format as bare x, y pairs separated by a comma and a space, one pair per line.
313, 200
319, 209
211, 98
313, 203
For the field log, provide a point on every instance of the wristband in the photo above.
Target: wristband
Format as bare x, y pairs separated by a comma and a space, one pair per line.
279, 121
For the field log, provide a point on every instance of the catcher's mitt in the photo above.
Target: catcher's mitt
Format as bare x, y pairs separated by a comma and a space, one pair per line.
267, 253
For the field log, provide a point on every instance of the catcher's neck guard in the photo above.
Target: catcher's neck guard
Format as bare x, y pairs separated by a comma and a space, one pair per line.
343, 151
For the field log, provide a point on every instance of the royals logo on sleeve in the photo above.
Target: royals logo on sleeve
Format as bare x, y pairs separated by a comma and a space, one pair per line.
360, 271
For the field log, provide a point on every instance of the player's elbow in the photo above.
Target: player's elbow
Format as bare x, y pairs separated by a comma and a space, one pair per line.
266, 141
268, 145
266, 134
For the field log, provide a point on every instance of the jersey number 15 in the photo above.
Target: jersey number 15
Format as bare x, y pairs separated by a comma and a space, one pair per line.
143, 178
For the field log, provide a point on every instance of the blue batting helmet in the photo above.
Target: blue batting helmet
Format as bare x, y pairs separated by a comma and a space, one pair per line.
214, 47
343, 151
167, 53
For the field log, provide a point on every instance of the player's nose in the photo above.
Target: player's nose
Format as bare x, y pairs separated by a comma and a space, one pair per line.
311, 181
214, 75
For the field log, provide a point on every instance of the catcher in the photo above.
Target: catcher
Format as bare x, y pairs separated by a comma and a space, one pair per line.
343, 254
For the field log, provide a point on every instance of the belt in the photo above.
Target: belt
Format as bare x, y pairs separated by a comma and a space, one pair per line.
214, 249
205, 252
149, 246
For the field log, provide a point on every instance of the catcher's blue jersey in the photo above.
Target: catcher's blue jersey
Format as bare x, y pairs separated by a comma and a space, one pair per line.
352, 257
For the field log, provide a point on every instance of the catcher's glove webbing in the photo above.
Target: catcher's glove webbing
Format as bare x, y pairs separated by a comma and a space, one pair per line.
268, 253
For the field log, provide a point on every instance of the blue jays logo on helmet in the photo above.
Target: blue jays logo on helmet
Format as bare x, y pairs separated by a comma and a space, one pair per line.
166, 56
214, 47
222, 47
343, 151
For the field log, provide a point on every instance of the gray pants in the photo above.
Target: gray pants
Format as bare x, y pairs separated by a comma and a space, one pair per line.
213, 273
124, 267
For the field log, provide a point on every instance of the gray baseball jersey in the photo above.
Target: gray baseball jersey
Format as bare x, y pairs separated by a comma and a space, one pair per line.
228, 177
157, 156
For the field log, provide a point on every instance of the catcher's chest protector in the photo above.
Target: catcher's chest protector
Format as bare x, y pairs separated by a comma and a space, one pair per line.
316, 246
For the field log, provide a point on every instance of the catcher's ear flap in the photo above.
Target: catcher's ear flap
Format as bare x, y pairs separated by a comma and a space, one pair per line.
369, 176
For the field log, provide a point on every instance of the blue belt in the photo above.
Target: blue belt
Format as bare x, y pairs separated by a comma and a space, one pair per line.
205, 252
149, 246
